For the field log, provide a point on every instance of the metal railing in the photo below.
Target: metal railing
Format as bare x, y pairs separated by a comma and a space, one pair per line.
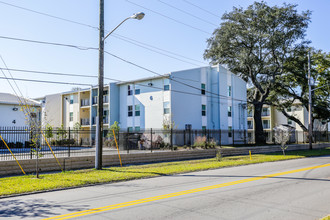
27, 144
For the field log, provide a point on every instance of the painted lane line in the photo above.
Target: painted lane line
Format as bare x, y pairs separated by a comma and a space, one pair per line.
185, 192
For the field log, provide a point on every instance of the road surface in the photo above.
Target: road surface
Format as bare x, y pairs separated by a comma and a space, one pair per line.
294, 189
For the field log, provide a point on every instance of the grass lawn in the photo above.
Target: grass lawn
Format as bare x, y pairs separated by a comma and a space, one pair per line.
28, 183
326, 218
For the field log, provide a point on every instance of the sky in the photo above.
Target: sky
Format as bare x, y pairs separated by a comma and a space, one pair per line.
172, 36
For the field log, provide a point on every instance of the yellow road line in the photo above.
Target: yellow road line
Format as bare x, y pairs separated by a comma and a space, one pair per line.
185, 192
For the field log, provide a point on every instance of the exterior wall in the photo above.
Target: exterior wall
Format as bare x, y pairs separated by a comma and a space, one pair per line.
150, 99
8, 116
52, 110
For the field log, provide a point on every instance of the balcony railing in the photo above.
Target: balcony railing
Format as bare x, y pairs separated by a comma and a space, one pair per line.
85, 121
94, 100
85, 102
105, 99
105, 120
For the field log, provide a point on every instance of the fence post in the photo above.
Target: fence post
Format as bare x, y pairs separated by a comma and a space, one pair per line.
151, 139
233, 135
69, 141
220, 137
171, 140
127, 145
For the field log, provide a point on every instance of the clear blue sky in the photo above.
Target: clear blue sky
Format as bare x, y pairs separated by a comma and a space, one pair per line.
187, 40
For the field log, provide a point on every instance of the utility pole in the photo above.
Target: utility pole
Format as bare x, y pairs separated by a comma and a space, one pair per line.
99, 121
310, 112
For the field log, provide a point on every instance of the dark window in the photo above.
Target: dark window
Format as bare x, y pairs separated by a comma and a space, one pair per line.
230, 131
203, 110
203, 88
166, 87
137, 91
130, 111
229, 111
137, 110
129, 90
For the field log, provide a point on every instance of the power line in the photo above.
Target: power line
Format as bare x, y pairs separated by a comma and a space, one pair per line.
112, 79
42, 81
48, 15
50, 43
196, 6
165, 16
158, 52
192, 15
124, 60
127, 39
123, 38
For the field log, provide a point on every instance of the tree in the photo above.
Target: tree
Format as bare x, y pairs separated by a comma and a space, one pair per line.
254, 43
282, 136
293, 86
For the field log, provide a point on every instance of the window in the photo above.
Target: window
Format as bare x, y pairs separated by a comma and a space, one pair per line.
129, 90
230, 131
166, 84
137, 128
71, 99
203, 110
137, 91
105, 112
105, 92
137, 110
250, 124
229, 111
130, 110
229, 90
265, 111
203, 88
166, 87
166, 108
71, 116
289, 122
266, 124
130, 129
203, 128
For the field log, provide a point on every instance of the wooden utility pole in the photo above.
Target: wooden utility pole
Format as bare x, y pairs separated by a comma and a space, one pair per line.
99, 130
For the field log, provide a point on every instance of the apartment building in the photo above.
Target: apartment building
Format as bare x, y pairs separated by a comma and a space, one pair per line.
271, 118
201, 98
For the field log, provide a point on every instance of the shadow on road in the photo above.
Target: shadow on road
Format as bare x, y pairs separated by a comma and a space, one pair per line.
34, 208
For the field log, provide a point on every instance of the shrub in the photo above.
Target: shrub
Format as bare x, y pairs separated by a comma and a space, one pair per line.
27, 144
212, 144
200, 142
218, 156
11, 144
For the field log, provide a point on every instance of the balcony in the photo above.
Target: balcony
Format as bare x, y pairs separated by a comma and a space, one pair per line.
105, 120
105, 99
84, 121
84, 102
94, 100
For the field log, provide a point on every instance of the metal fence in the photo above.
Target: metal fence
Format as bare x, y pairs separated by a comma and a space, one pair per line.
29, 144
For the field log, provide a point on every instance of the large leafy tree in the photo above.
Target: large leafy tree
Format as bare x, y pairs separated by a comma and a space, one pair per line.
293, 86
254, 43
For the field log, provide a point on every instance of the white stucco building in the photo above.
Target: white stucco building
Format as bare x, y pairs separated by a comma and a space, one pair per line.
11, 113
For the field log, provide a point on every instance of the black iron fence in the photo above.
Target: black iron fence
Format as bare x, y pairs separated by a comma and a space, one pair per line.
29, 144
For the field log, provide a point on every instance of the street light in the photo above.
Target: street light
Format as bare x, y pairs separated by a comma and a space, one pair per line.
99, 126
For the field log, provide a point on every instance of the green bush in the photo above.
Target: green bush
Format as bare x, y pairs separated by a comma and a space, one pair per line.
19, 145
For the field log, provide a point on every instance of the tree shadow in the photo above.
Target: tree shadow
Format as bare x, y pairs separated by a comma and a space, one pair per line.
130, 171
34, 208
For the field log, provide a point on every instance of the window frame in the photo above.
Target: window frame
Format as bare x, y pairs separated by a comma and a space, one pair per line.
130, 111
203, 88
137, 110
203, 110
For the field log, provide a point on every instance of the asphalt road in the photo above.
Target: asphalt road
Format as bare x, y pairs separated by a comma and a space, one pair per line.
295, 189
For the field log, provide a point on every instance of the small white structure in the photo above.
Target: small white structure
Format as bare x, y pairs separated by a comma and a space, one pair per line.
11, 113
